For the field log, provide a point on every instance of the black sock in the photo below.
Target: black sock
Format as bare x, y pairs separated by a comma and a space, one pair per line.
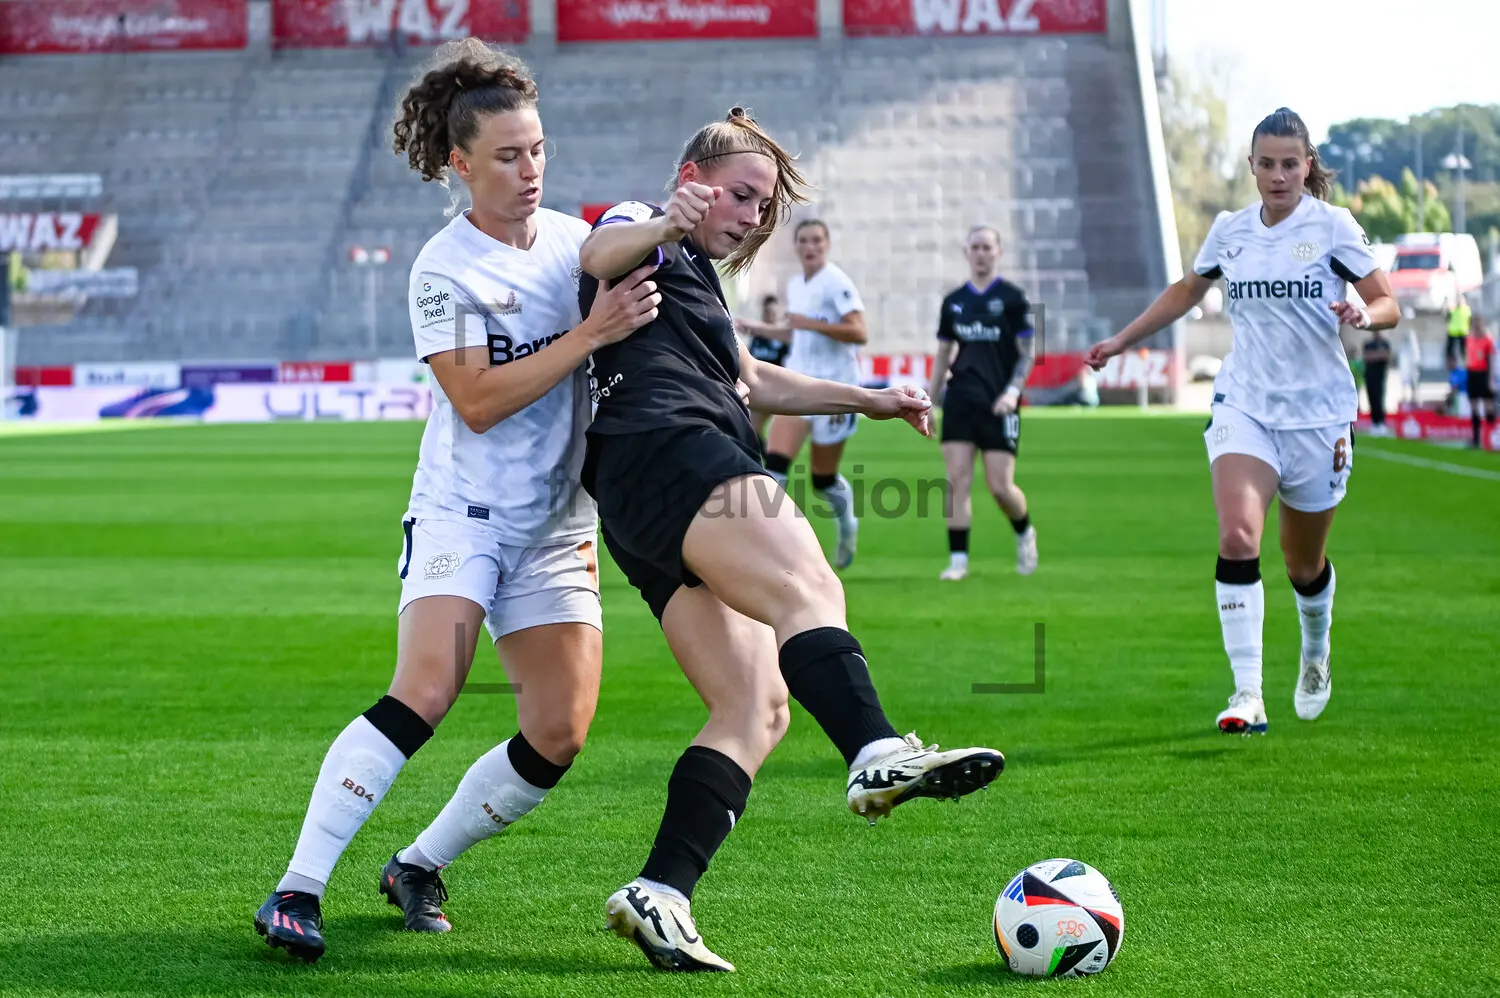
1317, 585
958, 541
1474, 422
530, 765
1022, 523
826, 672
705, 797
398, 722
1237, 573
778, 464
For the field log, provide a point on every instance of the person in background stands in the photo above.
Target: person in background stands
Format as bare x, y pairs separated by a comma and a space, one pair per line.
1409, 365
1377, 357
1459, 318
1480, 367
770, 341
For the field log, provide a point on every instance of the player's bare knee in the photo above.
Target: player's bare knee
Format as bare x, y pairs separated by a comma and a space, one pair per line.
1303, 570
815, 587
430, 701
560, 739
1239, 541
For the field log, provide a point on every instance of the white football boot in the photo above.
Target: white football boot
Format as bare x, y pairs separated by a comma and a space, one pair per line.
1314, 686
915, 770
843, 555
956, 570
662, 926
1245, 715
1026, 552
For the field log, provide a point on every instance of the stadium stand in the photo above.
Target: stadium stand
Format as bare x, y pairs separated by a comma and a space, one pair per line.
241, 178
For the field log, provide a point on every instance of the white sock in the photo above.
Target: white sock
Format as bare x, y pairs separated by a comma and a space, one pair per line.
490, 797
359, 768
876, 749
958, 559
1242, 612
1317, 619
840, 498
667, 889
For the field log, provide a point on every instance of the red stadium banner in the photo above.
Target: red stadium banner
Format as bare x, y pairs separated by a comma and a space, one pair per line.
591, 212
341, 23
42, 26
44, 377
315, 372
665, 20
975, 17
43, 231
1434, 427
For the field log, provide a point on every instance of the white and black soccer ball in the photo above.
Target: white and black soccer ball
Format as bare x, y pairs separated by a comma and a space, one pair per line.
1059, 918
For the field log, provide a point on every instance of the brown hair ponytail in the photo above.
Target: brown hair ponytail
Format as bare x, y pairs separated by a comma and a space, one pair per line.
465, 81
1284, 123
738, 133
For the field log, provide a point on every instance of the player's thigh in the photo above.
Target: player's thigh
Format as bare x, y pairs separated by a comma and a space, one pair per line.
733, 664
787, 435
449, 572
999, 470
554, 673
1245, 467
757, 552
1316, 465
547, 625
759, 421
958, 461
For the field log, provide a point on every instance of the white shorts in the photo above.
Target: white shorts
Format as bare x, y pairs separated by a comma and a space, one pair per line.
1313, 464
517, 587
828, 430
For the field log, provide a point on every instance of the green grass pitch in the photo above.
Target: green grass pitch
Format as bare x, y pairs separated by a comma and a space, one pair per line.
188, 616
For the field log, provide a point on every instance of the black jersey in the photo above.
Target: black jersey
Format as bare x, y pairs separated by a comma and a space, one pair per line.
769, 351
985, 325
680, 368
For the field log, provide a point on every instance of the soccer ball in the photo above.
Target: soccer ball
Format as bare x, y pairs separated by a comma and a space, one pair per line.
1059, 918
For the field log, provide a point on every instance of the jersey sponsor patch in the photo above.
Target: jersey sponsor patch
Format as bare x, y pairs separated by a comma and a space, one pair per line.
432, 296
628, 211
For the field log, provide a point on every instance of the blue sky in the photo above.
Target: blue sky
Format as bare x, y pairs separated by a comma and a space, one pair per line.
1331, 60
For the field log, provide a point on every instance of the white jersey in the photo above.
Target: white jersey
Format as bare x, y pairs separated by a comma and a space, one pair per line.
520, 476
827, 296
1287, 367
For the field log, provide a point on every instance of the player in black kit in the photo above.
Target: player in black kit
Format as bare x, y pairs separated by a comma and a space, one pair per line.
770, 340
713, 544
988, 324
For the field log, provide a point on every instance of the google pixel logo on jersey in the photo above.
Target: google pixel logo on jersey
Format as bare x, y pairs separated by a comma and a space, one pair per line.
1307, 287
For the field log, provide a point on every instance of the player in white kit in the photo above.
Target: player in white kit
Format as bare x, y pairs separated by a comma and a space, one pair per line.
827, 318
497, 531
1285, 399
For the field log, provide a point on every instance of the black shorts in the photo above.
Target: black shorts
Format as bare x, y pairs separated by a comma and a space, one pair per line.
1456, 351
1479, 385
649, 486
965, 422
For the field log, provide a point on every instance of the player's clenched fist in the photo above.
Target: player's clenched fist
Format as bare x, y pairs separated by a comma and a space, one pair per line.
689, 205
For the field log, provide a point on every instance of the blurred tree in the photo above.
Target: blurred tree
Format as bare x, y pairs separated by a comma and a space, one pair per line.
1386, 210
1367, 147
1208, 172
